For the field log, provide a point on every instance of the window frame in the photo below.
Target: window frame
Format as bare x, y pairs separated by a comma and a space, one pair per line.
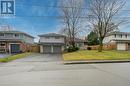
57, 37
47, 37
2, 35
115, 35
16, 35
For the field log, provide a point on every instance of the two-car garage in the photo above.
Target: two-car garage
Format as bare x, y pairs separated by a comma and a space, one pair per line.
52, 43
51, 49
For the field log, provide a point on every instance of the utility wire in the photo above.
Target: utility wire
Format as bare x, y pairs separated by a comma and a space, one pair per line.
47, 6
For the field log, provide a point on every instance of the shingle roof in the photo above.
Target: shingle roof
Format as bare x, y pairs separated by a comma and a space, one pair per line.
60, 35
16, 32
51, 35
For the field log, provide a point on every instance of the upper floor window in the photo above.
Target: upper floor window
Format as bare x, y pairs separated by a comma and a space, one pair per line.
57, 37
1, 34
16, 35
120, 36
125, 36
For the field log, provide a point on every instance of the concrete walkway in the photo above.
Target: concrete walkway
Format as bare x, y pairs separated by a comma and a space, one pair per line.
27, 72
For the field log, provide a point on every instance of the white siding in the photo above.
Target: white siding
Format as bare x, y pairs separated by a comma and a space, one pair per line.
118, 37
52, 40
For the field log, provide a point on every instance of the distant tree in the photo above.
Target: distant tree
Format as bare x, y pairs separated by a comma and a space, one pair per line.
92, 39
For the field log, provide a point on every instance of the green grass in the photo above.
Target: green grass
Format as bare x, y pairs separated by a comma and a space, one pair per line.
13, 57
95, 55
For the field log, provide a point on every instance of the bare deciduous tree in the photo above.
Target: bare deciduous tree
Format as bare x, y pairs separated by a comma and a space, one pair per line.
72, 11
102, 17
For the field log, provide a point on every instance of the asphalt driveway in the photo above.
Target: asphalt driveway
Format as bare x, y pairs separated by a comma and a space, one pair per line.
41, 58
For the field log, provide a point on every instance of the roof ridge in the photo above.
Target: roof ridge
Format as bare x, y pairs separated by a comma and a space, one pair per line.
51, 34
17, 32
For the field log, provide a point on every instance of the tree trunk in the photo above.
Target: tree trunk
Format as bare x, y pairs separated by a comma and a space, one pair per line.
100, 48
100, 45
73, 40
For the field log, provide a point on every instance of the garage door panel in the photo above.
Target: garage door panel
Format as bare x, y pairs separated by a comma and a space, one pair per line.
47, 49
57, 49
121, 46
52, 49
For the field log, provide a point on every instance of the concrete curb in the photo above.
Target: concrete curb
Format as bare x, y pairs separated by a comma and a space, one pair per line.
95, 61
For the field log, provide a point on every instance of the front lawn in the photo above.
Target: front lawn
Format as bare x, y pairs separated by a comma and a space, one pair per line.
13, 57
95, 55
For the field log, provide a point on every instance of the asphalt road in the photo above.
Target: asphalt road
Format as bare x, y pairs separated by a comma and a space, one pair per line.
41, 70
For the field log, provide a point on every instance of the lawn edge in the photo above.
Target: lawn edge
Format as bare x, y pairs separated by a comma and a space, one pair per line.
14, 57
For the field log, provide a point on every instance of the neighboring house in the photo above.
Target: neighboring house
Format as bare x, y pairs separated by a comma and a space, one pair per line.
51, 43
78, 42
120, 39
15, 41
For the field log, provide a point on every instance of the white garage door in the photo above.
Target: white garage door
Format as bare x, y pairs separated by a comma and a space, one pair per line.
57, 49
47, 49
121, 46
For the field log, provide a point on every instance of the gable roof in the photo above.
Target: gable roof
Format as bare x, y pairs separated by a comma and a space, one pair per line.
19, 32
51, 35
60, 35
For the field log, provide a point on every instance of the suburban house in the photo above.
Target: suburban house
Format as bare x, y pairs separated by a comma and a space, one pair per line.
56, 43
51, 43
121, 40
15, 41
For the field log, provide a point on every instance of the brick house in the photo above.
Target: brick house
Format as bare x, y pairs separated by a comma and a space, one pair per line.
15, 41
78, 42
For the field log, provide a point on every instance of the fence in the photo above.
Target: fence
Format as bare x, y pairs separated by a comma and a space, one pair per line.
111, 46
